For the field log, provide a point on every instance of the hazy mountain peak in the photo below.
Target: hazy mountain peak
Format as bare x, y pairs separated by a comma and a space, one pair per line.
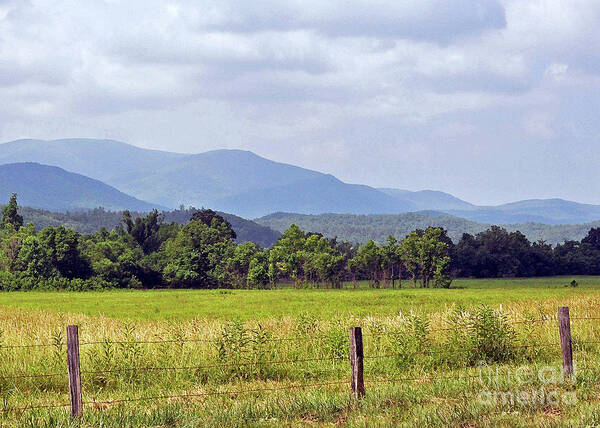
53, 188
244, 183
429, 199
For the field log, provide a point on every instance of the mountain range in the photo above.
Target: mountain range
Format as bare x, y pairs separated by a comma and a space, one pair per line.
53, 188
235, 181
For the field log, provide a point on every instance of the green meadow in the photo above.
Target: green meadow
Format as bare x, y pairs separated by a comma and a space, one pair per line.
289, 302
188, 358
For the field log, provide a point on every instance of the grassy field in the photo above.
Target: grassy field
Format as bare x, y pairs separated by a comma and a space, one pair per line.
229, 353
273, 304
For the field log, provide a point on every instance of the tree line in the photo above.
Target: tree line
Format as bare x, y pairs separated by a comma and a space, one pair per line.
90, 221
148, 252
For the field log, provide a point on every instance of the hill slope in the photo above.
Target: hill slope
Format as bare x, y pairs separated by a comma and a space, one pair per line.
91, 221
100, 159
53, 188
429, 199
361, 228
548, 211
318, 195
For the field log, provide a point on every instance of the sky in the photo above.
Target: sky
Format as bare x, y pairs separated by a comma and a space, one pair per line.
490, 100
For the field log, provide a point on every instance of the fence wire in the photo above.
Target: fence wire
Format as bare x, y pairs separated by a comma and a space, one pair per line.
543, 319
213, 393
549, 318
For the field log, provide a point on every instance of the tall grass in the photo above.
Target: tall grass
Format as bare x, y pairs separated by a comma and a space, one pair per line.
428, 372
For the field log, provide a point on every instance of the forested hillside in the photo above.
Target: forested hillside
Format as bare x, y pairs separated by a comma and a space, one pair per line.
361, 228
91, 221
351, 228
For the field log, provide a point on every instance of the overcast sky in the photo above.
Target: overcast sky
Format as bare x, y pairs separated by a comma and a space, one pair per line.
492, 101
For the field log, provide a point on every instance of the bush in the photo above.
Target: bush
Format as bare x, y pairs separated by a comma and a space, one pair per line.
243, 350
482, 335
13, 282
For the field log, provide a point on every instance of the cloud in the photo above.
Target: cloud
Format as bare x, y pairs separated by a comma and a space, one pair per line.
539, 125
434, 20
414, 94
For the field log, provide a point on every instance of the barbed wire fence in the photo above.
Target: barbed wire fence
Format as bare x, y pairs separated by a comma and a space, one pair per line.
356, 380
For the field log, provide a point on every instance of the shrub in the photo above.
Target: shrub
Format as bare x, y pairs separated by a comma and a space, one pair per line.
483, 334
242, 350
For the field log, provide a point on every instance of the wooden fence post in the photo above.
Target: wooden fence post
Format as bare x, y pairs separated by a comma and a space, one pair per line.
564, 327
356, 362
74, 370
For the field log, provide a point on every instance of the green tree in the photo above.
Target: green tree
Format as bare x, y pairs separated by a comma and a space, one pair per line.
329, 268
391, 261
410, 256
354, 267
113, 260
144, 230
197, 256
211, 219
32, 260
10, 214
286, 258
258, 270
426, 257
369, 259
62, 248
238, 263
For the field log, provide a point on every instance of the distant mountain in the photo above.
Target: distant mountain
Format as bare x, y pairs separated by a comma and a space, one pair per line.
53, 188
361, 228
250, 186
547, 211
236, 181
317, 195
207, 178
429, 199
104, 160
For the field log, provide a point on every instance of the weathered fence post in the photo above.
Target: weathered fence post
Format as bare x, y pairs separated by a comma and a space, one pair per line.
356, 362
74, 370
564, 326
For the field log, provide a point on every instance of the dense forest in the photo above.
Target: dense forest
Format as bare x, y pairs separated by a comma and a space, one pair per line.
346, 227
147, 251
90, 221
361, 228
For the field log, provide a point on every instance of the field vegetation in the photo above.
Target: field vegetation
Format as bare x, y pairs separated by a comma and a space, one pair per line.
247, 357
238, 335
261, 305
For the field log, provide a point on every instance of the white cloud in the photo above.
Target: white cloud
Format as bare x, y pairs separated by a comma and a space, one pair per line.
539, 125
477, 82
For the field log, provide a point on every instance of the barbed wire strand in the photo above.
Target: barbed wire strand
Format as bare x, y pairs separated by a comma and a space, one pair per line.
34, 376
274, 339
152, 342
206, 394
256, 363
23, 409
34, 345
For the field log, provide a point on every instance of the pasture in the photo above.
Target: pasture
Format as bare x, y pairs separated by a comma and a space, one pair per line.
156, 305
188, 358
